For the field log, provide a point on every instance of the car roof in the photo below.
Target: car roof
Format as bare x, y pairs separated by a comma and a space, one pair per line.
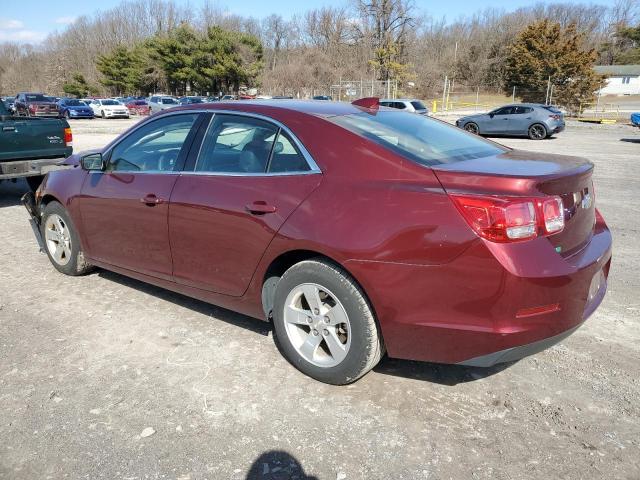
267, 107
400, 100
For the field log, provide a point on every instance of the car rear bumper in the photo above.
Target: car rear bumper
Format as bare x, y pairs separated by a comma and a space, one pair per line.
485, 308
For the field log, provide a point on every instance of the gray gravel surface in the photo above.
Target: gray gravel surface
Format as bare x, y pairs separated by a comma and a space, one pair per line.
103, 377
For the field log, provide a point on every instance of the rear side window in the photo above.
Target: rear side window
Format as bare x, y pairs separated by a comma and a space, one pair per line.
422, 139
235, 144
286, 157
418, 105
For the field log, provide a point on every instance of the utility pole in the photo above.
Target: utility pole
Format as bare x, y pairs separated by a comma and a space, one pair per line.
444, 93
546, 98
513, 97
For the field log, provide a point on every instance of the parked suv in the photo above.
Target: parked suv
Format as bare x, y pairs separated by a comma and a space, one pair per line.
35, 105
158, 103
533, 120
414, 106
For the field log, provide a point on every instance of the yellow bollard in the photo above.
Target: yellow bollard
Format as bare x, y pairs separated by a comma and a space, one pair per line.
434, 108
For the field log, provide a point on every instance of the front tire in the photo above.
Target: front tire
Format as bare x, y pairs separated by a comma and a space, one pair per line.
537, 131
61, 241
324, 324
472, 127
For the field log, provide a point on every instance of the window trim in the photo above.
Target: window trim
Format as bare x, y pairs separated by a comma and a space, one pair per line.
313, 166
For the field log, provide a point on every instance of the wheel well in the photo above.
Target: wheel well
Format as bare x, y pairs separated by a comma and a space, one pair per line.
280, 265
47, 199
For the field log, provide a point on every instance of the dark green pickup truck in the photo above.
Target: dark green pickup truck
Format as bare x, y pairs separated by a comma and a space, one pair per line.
31, 146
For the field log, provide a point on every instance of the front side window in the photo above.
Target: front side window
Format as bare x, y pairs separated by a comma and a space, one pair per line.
503, 111
154, 146
422, 139
235, 144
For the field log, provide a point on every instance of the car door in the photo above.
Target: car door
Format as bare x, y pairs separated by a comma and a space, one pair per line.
124, 209
498, 122
250, 174
520, 120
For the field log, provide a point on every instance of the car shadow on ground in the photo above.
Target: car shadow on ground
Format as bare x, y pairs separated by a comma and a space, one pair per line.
10, 193
430, 372
630, 140
218, 313
442, 374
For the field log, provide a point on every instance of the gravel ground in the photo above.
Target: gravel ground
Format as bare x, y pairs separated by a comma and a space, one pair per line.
103, 377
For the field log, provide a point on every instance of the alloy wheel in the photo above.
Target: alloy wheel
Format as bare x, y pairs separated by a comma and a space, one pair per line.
58, 239
537, 132
317, 325
471, 128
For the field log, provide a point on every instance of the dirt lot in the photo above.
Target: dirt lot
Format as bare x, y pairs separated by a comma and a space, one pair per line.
103, 377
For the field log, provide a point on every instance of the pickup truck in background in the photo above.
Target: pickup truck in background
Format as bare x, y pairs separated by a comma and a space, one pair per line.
30, 147
35, 105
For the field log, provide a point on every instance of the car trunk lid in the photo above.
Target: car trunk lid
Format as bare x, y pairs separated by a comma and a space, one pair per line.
517, 173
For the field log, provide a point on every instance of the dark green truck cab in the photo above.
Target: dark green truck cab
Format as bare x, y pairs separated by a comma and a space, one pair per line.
31, 146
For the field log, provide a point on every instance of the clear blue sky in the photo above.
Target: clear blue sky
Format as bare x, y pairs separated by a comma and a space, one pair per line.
31, 20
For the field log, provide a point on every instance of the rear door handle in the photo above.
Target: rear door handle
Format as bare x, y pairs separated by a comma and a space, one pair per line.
151, 200
260, 207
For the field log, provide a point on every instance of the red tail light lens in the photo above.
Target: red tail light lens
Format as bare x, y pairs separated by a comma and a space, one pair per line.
68, 137
508, 219
555, 117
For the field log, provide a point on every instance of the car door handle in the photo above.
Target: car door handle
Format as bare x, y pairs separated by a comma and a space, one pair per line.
151, 200
260, 208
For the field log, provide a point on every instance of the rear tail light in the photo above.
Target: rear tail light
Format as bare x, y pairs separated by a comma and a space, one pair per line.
555, 117
68, 137
509, 219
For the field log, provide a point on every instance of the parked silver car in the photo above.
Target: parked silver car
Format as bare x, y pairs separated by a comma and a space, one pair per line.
533, 120
408, 105
161, 102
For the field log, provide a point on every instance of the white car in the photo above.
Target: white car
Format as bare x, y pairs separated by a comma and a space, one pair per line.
108, 108
406, 104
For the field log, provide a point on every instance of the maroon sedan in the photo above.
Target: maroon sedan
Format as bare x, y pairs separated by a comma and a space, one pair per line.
138, 107
355, 229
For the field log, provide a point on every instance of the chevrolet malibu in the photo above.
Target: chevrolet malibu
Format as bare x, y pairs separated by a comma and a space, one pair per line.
356, 229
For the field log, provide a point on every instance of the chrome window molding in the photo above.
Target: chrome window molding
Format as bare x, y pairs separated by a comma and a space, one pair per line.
314, 168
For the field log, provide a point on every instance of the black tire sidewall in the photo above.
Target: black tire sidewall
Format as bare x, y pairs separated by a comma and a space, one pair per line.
477, 129
351, 368
546, 133
72, 267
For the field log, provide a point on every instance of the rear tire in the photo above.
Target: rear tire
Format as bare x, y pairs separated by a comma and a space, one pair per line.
324, 324
61, 241
102, 114
537, 131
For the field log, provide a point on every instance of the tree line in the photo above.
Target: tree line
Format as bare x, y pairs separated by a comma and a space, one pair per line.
159, 45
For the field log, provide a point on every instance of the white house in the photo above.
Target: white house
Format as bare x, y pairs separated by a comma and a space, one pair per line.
621, 79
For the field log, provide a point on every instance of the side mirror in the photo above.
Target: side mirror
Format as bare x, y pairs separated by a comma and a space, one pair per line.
93, 162
491, 114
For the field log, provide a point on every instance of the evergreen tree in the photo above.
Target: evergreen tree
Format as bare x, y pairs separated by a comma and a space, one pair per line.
79, 87
545, 50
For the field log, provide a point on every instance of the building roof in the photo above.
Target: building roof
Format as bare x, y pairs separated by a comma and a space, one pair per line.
618, 70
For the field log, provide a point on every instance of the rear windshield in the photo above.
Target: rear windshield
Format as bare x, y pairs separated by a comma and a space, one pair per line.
418, 105
36, 98
424, 140
168, 101
110, 102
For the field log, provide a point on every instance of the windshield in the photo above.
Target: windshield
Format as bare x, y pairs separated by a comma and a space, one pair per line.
168, 101
140, 102
75, 103
110, 102
424, 140
36, 98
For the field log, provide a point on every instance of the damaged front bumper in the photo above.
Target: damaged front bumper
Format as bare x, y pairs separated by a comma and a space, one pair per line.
29, 202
